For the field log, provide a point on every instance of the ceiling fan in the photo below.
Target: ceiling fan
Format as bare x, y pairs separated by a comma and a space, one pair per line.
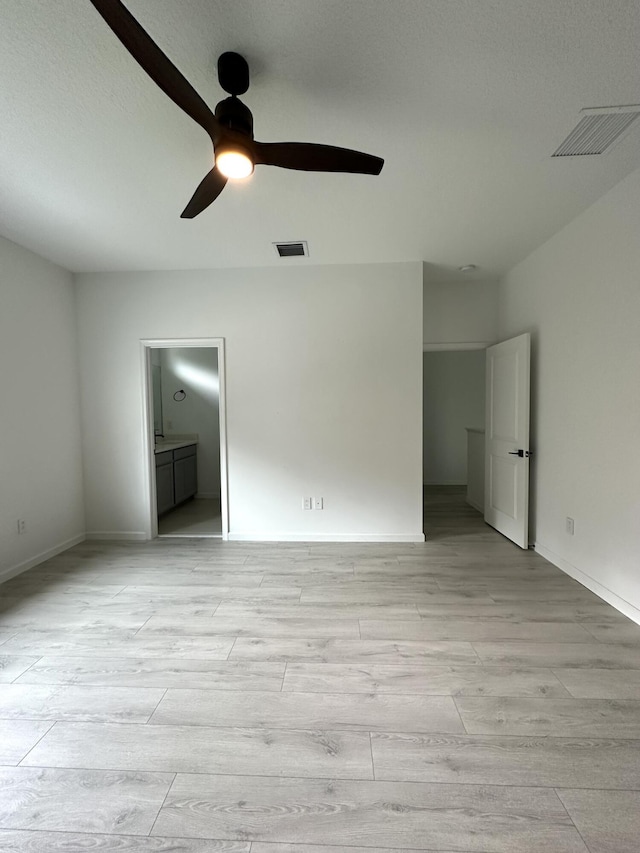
231, 126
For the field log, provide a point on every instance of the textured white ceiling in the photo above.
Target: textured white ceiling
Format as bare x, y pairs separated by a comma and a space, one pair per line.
465, 100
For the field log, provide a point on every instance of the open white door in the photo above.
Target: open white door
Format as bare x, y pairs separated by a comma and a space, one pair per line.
506, 489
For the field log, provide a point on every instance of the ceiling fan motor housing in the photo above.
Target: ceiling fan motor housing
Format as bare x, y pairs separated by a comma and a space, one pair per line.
234, 115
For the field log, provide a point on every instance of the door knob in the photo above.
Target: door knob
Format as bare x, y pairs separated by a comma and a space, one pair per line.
518, 452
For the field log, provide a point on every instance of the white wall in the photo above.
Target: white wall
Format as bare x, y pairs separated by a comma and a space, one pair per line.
324, 384
40, 456
579, 296
460, 311
453, 399
195, 370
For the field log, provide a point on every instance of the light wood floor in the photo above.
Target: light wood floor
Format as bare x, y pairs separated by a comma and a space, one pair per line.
195, 518
187, 696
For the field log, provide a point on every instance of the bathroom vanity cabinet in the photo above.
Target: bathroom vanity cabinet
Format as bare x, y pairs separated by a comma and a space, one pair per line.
176, 475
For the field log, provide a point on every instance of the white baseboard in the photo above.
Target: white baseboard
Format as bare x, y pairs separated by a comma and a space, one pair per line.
208, 496
444, 483
475, 505
595, 586
12, 571
123, 535
326, 537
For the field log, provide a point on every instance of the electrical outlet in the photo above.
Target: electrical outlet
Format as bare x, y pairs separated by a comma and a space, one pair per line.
318, 503
570, 526
22, 526
307, 503
169, 426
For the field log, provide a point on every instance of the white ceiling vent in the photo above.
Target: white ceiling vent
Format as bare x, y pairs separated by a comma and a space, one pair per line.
297, 249
597, 130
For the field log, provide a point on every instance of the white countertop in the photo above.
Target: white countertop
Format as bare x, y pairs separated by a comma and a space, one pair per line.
173, 444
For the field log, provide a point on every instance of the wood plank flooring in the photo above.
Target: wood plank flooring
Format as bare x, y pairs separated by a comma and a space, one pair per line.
188, 696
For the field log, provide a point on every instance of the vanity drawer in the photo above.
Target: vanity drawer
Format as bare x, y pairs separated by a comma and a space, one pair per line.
183, 452
164, 458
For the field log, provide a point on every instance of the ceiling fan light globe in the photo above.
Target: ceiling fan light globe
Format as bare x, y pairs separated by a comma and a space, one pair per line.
234, 164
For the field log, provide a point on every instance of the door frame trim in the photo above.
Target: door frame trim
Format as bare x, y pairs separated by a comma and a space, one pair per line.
148, 439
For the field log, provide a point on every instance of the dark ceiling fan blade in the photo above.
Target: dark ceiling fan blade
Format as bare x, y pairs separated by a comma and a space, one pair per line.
310, 157
161, 70
208, 190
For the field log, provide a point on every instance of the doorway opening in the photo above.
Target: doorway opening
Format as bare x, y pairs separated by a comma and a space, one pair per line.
493, 390
453, 436
185, 438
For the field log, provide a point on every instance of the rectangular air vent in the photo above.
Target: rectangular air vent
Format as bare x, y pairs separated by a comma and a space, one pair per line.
597, 130
298, 249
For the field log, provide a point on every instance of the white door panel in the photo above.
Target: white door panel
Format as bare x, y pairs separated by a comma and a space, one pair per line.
503, 491
504, 379
507, 439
